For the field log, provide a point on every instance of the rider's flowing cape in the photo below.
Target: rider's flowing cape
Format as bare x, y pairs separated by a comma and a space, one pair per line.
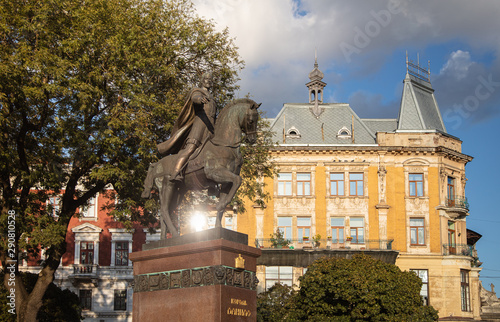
182, 126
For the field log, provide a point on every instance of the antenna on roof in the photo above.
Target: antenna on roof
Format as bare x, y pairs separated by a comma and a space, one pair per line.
416, 71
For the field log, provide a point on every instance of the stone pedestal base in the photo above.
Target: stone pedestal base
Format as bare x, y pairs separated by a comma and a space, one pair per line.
206, 276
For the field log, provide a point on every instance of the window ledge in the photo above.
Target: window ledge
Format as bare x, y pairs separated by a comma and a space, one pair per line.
347, 197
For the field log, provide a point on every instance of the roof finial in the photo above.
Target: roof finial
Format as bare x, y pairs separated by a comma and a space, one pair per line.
406, 62
315, 57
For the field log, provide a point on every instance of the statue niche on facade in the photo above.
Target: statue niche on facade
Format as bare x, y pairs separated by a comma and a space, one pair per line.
202, 153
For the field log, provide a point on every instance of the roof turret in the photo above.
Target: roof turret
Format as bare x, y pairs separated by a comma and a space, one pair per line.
419, 110
315, 87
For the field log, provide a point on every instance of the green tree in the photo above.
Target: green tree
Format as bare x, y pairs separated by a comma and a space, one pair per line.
256, 166
359, 289
87, 89
273, 304
57, 305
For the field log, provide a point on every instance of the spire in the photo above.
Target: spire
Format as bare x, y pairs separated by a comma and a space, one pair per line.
315, 87
419, 110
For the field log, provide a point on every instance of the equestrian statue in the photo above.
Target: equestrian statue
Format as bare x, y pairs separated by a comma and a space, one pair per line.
202, 153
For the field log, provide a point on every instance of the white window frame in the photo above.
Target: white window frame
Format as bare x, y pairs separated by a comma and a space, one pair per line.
86, 233
120, 235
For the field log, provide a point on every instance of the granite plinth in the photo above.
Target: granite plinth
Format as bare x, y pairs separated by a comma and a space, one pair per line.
196, 278
205, 235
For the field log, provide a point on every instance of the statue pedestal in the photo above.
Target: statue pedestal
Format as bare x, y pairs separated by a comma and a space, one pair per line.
204, 276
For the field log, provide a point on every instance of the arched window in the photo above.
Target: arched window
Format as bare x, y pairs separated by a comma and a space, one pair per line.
344, 133
293, 133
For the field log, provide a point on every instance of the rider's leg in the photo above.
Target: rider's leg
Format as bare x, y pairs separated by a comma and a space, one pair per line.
183, 157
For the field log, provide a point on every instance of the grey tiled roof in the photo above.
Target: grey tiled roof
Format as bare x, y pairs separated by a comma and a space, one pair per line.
419, 109
381, 125
300, 126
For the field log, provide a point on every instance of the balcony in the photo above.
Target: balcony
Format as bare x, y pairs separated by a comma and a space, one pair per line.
84, 274
456, 207
457, 202
302, 253
352, 244
457, 249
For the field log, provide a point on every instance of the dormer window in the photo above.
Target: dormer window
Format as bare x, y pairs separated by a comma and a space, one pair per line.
344, 133
293, 133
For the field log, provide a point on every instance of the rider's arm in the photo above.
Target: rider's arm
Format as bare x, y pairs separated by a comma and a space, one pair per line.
199, 98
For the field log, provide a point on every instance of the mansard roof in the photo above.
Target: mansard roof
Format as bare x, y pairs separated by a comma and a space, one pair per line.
419, 109
296, 124
337, 124
381, 125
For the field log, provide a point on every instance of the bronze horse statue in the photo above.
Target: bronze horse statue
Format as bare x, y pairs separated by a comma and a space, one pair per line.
215, 165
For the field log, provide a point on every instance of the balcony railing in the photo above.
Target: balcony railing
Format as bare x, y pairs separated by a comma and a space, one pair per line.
326, 244
457, 202
85, 270
457, 249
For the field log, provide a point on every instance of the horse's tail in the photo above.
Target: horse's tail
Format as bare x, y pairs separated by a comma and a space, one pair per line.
158, 170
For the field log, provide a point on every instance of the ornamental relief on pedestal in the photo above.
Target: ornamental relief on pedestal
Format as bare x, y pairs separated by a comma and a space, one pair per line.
196, 277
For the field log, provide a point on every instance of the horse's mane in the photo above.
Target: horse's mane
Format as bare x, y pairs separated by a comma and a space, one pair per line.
233, 103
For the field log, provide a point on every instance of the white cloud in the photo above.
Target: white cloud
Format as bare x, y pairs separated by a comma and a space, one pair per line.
277, 38
457, 65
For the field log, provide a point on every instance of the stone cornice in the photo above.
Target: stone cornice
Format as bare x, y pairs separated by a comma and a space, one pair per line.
315, 149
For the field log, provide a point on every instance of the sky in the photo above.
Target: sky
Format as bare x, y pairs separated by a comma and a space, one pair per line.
361, 48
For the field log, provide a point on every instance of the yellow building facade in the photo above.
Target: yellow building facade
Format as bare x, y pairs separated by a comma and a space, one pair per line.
381, 186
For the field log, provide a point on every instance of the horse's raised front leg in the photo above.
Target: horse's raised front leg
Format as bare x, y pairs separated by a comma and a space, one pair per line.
166, 194
226, 178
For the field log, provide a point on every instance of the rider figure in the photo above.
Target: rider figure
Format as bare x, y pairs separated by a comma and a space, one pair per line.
193, 126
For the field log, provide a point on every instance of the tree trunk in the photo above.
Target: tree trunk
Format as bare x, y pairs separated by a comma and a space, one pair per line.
28, 305
45, 277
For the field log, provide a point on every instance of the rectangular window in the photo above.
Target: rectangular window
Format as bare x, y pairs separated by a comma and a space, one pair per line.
211, 222
417, 231
424, 291
285, 226
86, 253
120, 300
228, 222
355, 184
451, 238
284, 184
121, 253
303, 184
279, 274
338, 229
86, 299
357, 230
336, 184
88, 211
416, 181
303, 228
54, 206
451, 192
465, 290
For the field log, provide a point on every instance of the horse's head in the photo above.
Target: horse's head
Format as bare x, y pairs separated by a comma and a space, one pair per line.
249, 125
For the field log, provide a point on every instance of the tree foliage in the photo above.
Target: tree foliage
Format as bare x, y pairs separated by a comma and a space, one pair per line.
58, 305
87, 90
273, 304
256, 166
359, 289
